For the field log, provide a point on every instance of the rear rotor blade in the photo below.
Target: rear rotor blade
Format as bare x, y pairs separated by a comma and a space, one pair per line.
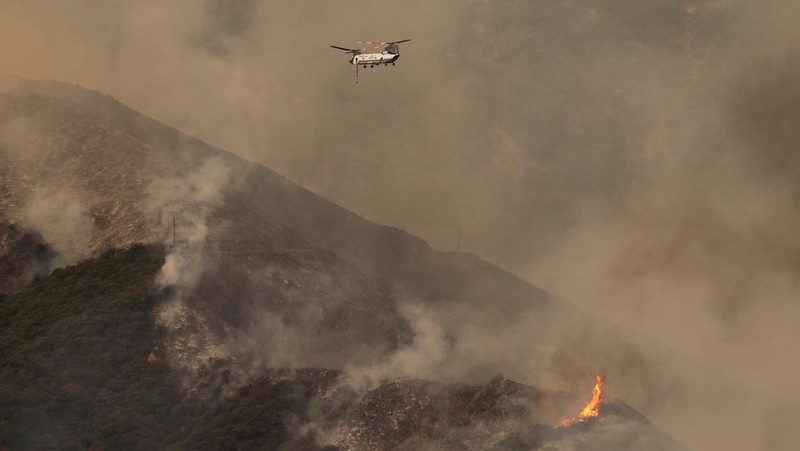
399, 42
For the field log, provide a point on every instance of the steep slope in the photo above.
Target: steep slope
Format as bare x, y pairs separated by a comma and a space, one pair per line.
90, 174
57, 135
266, 274
125, 175
79, 162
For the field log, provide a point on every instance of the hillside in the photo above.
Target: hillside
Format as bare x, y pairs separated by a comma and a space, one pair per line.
73, 359
82, 365
79, 366
89, 174
266, 276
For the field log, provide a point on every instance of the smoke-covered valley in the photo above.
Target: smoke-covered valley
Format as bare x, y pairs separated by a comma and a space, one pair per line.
637, 160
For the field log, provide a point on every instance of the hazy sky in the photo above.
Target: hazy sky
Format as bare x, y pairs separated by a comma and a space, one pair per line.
637, 157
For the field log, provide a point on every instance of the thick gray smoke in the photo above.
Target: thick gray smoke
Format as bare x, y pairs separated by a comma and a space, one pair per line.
638, 158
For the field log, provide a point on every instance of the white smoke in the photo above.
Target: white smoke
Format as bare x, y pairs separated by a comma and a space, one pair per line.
422, 358
62, 220
190, 199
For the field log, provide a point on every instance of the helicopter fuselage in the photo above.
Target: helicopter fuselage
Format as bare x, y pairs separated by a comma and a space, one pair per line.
374, 59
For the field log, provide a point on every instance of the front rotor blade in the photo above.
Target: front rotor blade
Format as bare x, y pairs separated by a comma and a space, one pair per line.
342, 48
399, 42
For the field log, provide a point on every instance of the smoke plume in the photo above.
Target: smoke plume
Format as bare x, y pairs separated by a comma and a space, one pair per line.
63, 222
191, 199
193, 341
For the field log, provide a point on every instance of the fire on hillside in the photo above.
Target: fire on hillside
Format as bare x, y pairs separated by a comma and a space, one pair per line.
592, 409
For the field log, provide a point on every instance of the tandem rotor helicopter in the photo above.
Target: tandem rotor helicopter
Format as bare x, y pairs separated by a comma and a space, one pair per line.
389, 54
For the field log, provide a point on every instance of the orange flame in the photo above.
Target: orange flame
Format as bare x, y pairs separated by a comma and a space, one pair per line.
592, 409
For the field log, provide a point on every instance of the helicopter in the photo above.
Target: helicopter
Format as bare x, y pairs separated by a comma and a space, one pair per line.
389, 54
